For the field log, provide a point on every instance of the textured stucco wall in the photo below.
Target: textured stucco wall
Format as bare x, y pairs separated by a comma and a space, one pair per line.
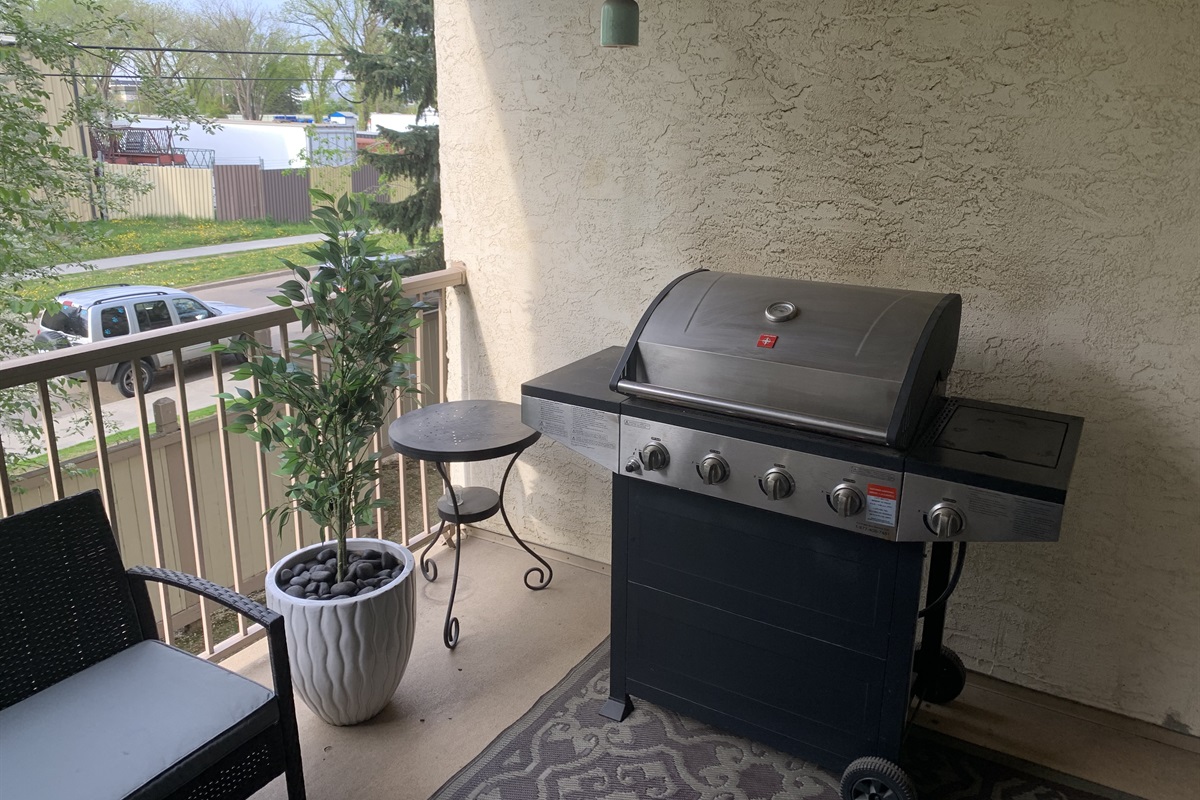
1041, 158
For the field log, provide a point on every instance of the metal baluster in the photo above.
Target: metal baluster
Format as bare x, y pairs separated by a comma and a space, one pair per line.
156, 534
106, 480
235, 548
6, 499
53, 462
193, 498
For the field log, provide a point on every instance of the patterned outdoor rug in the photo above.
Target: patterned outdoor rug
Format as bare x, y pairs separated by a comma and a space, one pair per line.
562, 749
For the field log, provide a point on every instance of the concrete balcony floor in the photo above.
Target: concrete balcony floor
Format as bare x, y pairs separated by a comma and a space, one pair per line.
516, 644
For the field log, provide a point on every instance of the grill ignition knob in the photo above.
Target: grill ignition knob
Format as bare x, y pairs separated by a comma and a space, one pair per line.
847, 500
714, 469
777, 484
655, 456
946, 521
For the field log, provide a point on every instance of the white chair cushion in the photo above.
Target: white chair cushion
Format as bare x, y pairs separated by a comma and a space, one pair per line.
108, 730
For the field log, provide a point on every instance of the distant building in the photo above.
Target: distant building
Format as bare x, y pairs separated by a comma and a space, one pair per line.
399, 122
270, 144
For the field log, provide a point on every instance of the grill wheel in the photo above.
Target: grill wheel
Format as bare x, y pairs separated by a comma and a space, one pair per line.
942, 678
874, 778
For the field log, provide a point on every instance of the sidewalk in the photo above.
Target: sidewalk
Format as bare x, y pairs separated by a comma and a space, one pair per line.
190, 252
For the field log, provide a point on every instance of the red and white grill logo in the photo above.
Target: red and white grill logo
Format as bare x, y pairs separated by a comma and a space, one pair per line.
767, 340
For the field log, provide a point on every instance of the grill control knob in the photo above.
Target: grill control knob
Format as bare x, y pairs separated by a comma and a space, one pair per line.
846, 500
777, 484
655, 456
946, 521
713, 469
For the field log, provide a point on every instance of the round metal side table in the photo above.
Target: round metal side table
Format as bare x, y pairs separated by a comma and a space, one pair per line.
460, 431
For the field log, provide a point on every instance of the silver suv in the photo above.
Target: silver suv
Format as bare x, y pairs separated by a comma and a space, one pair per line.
101, 313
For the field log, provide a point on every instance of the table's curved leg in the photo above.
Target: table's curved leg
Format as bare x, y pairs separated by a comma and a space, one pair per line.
450, 629
543, 576
429, 567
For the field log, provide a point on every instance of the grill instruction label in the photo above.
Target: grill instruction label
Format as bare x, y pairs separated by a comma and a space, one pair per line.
587, 431
882, 502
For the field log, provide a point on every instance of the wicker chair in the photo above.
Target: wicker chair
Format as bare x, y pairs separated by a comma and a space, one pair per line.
93, 706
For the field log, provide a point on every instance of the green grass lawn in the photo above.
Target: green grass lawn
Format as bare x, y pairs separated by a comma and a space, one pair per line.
127, 237
188, 272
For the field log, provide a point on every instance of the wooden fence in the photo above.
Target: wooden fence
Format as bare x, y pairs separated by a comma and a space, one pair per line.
285, 194
131, 518
231, 192
174, 192
239, 192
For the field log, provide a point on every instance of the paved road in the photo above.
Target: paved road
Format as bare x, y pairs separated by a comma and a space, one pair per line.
252, 292
191, 252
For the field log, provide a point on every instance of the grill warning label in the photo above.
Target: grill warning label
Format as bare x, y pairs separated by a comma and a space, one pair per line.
881, 504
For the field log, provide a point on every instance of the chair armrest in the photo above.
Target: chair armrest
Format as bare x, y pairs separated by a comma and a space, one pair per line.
218, 594
277, 649
272, 621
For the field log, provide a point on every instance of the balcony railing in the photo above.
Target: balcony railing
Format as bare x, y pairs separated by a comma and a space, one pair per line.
189, 495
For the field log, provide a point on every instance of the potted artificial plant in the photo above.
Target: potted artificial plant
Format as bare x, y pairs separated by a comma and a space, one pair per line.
347, 604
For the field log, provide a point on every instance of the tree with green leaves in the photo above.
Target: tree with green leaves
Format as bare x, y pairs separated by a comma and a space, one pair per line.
406, 71
260, 82
44, 175
47, 180
355, 318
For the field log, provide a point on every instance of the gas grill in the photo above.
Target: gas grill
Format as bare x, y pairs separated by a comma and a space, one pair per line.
783, 455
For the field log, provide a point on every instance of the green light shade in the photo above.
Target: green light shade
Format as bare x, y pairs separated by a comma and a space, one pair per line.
619, 23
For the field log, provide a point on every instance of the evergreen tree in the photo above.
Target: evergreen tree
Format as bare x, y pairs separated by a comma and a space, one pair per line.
406, 72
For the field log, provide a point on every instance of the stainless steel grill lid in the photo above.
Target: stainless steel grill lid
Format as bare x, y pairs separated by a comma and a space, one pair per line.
855, 361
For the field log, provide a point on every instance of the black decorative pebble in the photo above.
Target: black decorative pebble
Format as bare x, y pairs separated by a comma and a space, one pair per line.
343, 589
367, 572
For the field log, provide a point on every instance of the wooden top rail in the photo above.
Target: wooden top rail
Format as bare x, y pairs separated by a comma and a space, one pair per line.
72, 360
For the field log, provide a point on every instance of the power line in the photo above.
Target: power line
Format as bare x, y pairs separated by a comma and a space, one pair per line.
201, 50
196, 77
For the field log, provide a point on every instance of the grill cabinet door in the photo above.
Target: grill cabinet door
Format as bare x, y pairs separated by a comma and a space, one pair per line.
793, 633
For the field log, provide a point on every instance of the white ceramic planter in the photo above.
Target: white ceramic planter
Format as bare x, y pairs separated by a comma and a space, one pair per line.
348, 655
